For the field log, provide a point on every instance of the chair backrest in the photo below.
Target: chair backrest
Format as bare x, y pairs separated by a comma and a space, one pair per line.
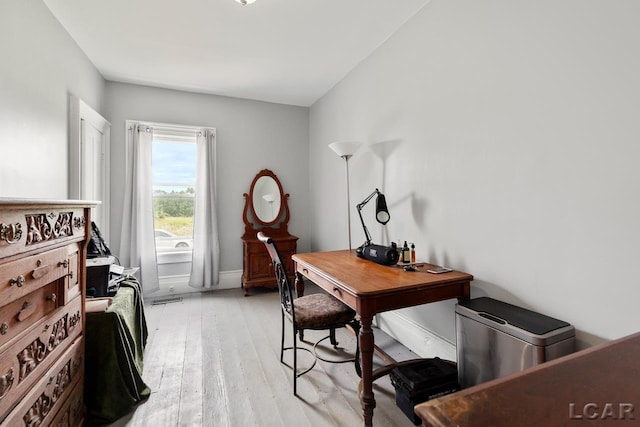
284, 287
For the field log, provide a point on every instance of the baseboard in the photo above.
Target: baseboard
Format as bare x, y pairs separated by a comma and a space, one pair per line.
415, 337
230, 279
179, 284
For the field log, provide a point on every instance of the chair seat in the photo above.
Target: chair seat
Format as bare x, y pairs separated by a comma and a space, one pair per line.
320, 310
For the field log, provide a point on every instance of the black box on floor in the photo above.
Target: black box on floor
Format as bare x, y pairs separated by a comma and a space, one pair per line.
422, 381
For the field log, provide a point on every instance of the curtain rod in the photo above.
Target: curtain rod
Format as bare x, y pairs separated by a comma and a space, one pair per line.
169, 126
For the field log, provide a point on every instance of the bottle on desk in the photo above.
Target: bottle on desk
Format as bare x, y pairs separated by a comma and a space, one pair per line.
413, 253
406, 255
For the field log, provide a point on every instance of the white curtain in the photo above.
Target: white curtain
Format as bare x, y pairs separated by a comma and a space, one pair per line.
137, 242
205, 267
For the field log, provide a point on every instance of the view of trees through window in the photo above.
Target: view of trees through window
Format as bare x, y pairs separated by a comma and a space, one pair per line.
174, 176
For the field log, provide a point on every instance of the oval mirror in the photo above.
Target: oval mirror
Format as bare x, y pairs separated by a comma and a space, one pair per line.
266, 199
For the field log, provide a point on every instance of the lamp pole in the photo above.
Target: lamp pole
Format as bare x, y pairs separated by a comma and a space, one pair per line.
346, 150
346, 161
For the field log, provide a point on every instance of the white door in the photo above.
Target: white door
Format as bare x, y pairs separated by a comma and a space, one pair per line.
89, 160
92, 169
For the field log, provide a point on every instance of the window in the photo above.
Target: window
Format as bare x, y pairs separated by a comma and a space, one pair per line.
174, 186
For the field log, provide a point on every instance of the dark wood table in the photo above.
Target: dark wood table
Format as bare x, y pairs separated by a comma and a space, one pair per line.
370, 288
596, 386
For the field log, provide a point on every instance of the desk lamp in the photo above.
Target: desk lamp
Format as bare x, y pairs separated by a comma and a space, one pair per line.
385, 255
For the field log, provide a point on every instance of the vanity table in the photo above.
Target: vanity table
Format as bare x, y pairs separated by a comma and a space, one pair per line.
265, 210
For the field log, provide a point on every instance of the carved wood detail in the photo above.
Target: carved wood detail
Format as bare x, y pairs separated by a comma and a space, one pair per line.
32, 355
39, 229
41, 407
6, 381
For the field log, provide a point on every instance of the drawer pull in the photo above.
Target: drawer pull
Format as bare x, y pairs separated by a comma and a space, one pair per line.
4, 328
17, 281
6, 381
40, 271
64, 263
11, 233
27, 310
52, 298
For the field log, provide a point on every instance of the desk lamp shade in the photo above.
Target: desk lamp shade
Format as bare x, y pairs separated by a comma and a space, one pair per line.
382, 213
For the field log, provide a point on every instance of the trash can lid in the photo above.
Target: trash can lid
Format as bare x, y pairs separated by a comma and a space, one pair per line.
500, 311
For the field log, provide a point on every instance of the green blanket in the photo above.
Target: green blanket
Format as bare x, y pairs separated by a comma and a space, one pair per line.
114, 346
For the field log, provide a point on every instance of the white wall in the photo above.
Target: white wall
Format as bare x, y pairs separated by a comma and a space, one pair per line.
506, 138
251, 136
40, 66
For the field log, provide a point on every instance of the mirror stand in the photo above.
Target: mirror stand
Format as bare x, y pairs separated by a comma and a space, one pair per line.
266, 209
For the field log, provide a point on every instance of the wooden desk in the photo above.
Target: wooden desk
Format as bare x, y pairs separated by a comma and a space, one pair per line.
370, 288
596, 386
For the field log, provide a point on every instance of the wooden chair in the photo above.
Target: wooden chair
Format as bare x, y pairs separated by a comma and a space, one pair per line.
316, 311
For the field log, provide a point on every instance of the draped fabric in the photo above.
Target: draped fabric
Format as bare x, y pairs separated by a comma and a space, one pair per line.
137, 241
205, 266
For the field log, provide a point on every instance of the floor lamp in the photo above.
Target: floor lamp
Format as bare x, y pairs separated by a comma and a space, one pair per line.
346, 150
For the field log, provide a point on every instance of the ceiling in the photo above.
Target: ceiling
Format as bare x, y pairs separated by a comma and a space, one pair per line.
283, 51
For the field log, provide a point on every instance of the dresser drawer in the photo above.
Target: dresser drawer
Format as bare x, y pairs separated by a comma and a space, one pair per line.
71, 414
23, 230
17, 316
50, 395
23, 362
21, 277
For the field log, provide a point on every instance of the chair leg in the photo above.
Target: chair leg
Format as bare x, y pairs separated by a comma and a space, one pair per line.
332, 337
295, 363
282, 338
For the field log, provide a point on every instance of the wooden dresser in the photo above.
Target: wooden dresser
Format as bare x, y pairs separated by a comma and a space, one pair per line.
42, 275
258, 270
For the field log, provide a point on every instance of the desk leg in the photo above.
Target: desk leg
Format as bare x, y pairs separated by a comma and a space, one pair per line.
367, 400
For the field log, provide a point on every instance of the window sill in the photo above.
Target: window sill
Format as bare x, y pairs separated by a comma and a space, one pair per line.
174, 257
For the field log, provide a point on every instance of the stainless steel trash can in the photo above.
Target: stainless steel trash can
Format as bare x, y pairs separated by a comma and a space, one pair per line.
494, 339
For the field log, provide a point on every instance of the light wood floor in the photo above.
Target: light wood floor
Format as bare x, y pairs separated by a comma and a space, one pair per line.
213, 360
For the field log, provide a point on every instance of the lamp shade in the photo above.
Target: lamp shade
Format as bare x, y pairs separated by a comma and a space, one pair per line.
382, 212
345, 148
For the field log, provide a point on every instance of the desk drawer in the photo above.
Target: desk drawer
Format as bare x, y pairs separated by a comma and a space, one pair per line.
49, 395
24, 312
24, 361
21, 277
329, 287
